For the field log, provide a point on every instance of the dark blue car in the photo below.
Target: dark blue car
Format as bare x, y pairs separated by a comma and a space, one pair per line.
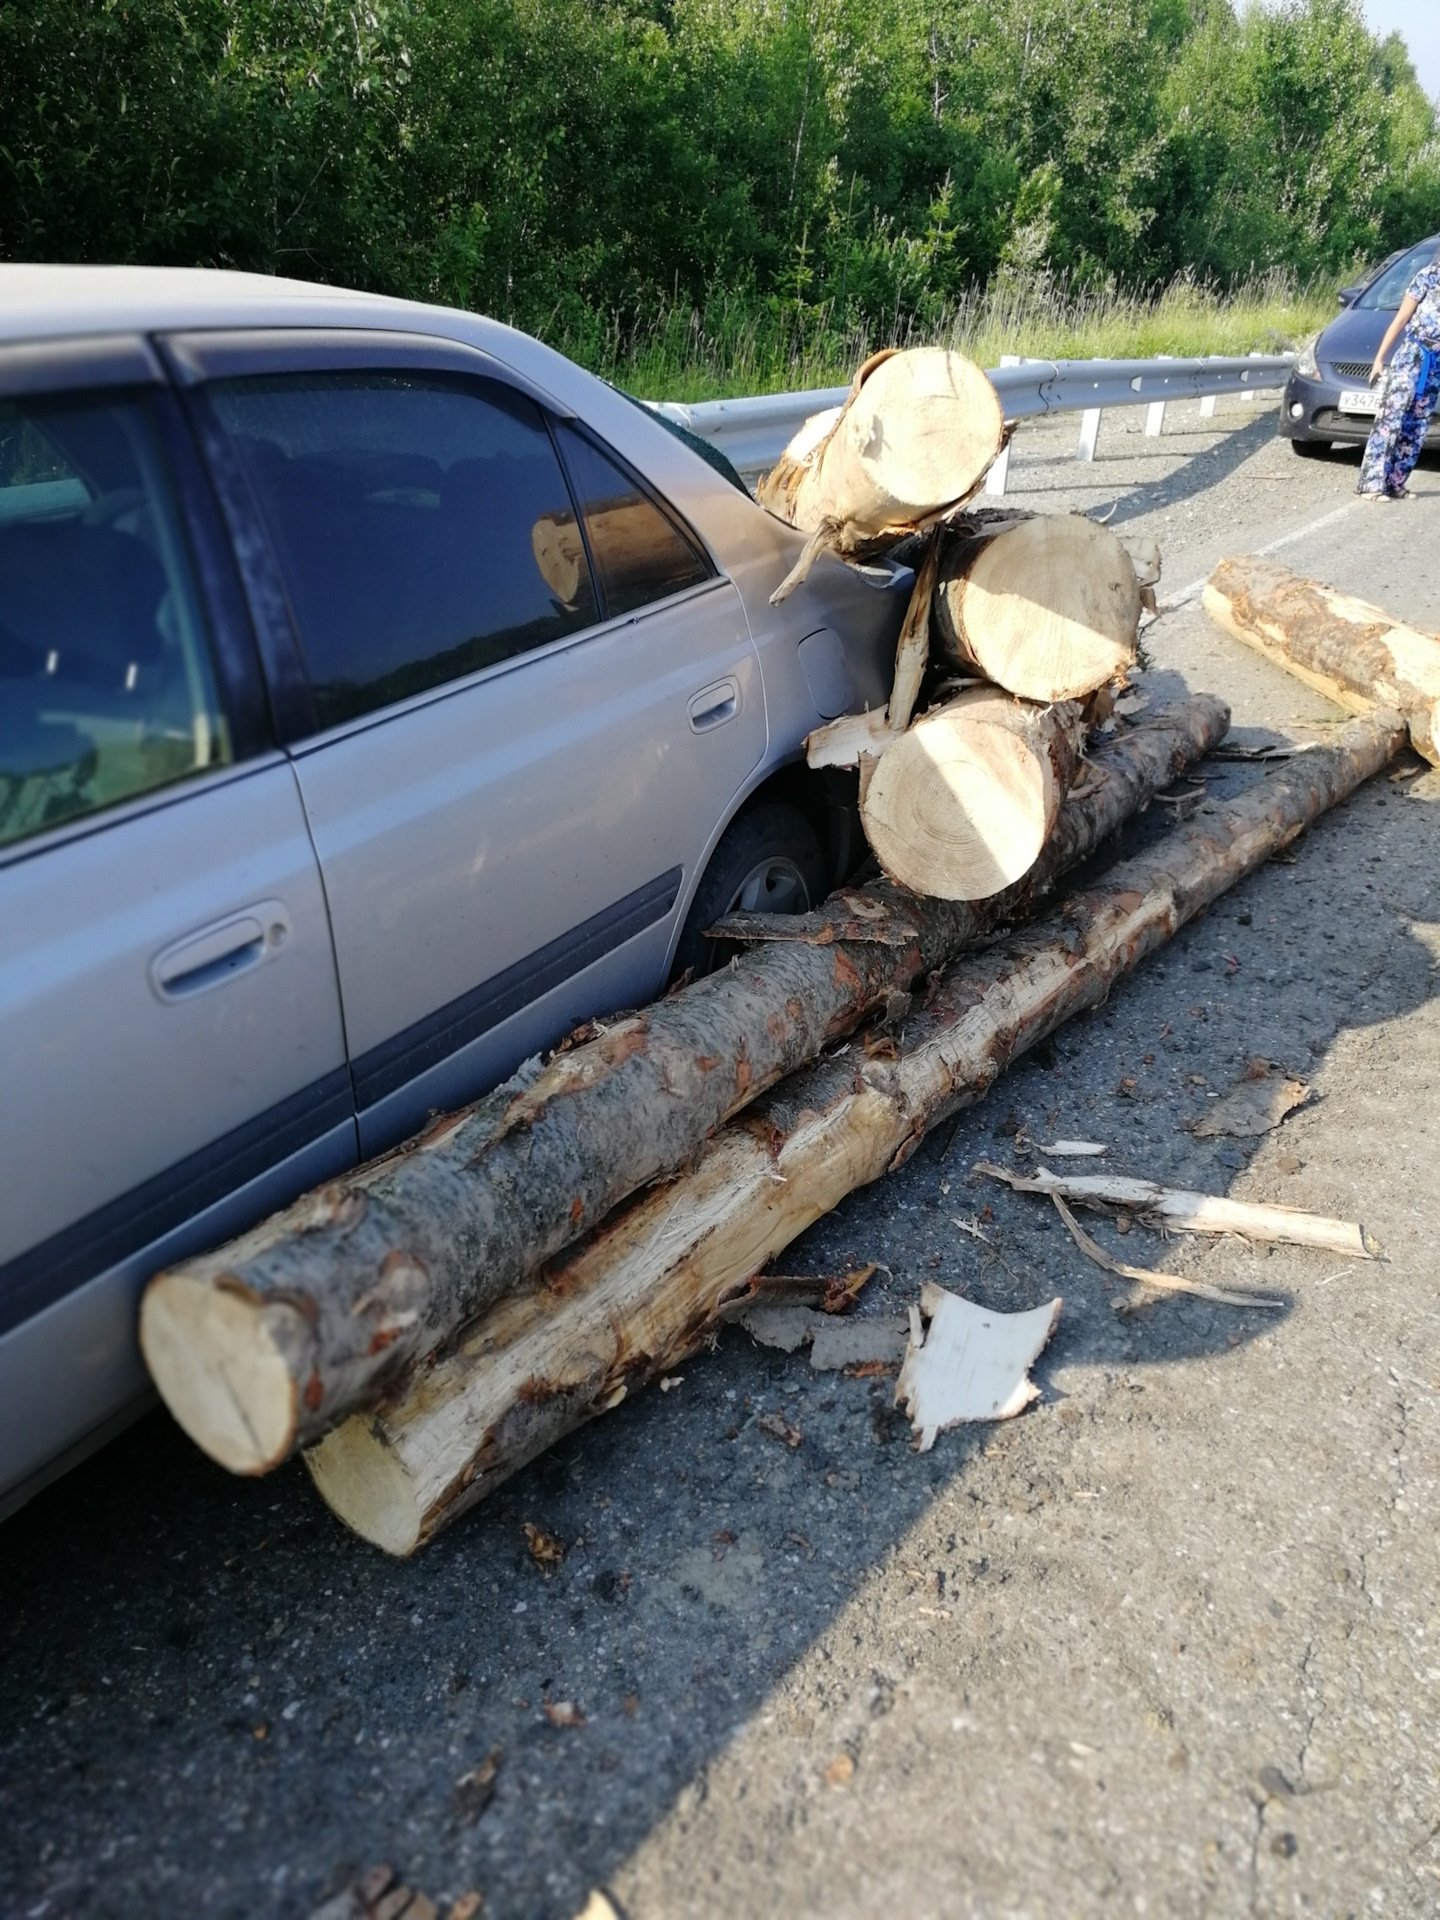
1329, 398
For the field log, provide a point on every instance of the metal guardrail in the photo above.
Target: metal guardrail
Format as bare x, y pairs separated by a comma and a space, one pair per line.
753, 433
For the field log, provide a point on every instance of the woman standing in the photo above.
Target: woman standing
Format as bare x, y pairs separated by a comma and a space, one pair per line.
1410, 390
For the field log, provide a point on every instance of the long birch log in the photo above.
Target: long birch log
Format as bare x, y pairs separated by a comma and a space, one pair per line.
1354, 653
264, 1344
646, 1290
962, 804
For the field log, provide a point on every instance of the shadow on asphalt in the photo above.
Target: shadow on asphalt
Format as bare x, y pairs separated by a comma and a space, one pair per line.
217, 1702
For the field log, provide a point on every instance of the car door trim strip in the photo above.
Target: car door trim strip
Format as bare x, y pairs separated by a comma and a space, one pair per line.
389, 1066
43, 1274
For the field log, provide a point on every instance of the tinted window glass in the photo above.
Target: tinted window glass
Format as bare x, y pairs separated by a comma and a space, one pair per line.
1390, 289
640, 555
423, 526
106, 687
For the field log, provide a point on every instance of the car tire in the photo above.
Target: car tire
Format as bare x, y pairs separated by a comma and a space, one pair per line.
1311, 449
768, 860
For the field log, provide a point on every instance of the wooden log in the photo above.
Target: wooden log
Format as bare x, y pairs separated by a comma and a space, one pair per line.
267, 1342
1048, 608
961, 804
650, 1286
1353, 653
914, 438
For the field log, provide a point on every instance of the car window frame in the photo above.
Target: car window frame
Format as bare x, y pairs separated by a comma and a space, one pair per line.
115, 363
196, 358
664, 507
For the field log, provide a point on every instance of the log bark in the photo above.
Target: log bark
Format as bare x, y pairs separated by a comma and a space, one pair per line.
1354, 653
648, 1288
265, 1343
914, 438
961, 804
1047, 608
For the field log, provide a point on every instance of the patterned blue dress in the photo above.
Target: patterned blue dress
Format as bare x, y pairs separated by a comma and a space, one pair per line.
1407, 399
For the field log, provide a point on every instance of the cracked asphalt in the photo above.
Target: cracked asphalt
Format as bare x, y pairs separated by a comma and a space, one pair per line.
1166, 1644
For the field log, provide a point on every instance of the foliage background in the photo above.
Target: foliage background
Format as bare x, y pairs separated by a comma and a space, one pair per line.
696, 180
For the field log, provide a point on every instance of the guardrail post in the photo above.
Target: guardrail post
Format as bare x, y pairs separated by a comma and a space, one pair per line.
998, 477
1089, 433
1207, 406
1155, 412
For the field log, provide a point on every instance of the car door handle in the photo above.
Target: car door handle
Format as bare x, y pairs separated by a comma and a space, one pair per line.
713, 706
214, 954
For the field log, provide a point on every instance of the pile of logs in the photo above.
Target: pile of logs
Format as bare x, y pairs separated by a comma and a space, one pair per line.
425, 1325
1017, 624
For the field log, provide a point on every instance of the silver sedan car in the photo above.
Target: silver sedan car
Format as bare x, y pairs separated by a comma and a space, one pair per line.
380, 695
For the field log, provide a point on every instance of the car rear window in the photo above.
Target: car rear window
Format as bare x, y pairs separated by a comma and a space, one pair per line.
422, 524
106, 684
1390, 288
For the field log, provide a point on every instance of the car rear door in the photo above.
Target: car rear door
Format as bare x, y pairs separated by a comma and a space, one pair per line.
169, 1013
525, 726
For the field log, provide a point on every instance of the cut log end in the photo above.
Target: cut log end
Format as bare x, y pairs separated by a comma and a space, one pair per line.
961, 805
925, 425
1048, 610
220, 1369
363, 1481
914, 437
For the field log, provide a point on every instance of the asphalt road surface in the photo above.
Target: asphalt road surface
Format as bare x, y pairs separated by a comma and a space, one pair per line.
1166, 1644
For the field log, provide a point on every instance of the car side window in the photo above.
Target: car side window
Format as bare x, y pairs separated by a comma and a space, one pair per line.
639, 552
422, 524
106, 685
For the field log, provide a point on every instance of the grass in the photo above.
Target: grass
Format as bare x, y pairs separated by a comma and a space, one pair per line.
730, 347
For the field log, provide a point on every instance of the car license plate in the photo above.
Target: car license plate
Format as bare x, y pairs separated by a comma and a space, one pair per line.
1362, 400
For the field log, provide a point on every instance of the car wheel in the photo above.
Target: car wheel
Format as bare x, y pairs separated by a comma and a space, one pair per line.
768, 861
1311, 449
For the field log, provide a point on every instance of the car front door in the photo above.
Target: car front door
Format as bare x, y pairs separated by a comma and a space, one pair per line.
170, 1026
527, 723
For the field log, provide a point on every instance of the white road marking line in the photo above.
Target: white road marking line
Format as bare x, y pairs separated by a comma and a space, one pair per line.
1197, 587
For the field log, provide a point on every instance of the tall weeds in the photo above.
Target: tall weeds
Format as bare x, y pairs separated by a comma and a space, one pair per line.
733, 345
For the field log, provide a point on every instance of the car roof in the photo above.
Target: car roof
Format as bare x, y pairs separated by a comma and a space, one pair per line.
56, 302
46, 302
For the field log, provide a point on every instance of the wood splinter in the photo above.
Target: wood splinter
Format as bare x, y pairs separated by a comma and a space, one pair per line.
1186, 1212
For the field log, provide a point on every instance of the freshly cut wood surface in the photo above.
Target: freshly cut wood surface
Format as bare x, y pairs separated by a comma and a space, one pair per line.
851, 738
1354, 653
961, 805
1047, 609
1189, 1212
264, 1344
649, 1286
915, 437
